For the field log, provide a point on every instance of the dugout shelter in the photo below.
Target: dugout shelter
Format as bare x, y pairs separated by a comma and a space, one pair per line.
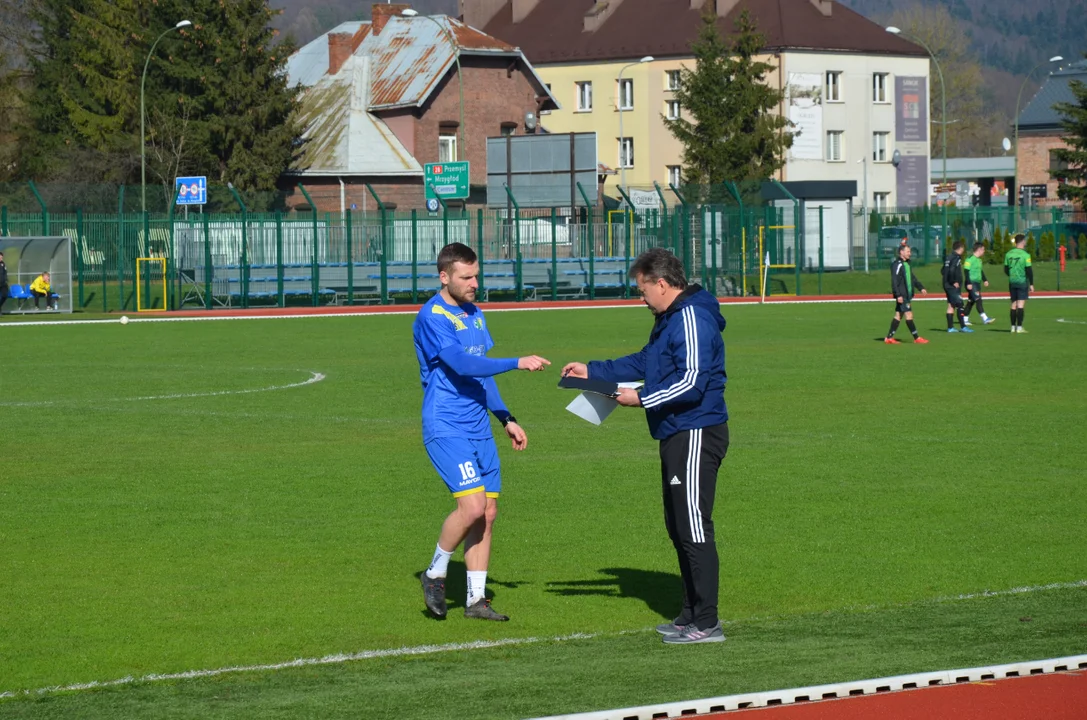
27, 258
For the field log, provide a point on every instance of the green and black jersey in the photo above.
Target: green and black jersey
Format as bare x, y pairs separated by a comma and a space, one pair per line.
975, 270
1017, 268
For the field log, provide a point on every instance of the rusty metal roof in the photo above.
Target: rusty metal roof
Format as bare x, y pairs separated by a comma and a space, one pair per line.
398, 68
409, 57
341, 137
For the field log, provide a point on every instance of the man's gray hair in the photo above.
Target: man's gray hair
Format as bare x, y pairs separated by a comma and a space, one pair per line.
660, 264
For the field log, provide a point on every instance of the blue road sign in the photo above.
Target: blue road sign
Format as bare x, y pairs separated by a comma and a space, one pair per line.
191, 190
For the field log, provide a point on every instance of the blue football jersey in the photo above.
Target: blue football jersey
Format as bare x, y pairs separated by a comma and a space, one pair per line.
453, 405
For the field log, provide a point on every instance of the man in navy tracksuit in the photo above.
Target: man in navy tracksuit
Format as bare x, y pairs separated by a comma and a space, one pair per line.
683, 367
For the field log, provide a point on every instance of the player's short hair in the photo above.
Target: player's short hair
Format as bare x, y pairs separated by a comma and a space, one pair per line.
901, 247
979, 245
455, 253
958, 245
659, 264
1020, 237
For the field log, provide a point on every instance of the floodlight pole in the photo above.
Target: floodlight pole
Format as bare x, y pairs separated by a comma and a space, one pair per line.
143, 113
1055, 58
943, 93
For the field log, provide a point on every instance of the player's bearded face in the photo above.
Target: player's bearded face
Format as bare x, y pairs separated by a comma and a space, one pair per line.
462, 281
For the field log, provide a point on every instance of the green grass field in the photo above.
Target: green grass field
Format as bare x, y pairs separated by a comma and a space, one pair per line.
162, 509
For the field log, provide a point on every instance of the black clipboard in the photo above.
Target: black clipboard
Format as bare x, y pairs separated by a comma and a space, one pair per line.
600, 387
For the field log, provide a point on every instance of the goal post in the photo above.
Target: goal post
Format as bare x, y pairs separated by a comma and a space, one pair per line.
150, 284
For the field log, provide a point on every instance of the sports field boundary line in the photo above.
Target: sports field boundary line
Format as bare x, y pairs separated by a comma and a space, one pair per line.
341, 658
853, 688
384, 310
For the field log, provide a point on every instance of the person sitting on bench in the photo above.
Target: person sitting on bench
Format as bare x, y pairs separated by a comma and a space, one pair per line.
41, 288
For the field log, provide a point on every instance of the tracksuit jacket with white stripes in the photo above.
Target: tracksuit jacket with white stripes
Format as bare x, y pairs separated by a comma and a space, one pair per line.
683, 366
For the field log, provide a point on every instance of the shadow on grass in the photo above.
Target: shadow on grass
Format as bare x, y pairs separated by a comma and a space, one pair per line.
662, 592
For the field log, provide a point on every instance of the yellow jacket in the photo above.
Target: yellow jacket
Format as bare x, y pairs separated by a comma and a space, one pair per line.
40, 285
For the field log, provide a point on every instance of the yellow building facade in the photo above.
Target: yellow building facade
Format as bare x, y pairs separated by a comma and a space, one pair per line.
649, 97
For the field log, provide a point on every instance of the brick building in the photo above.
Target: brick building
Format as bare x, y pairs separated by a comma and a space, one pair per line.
383, 98
1039, 128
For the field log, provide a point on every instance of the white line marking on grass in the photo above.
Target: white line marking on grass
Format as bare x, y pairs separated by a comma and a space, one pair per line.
300, 662
414, 311
1071, 322
315, 377
341, 658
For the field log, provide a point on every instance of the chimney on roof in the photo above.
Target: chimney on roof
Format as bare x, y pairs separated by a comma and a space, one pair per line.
479, 13
380, 15
521, 9
598, 14
822, 6
724, 7
342, 46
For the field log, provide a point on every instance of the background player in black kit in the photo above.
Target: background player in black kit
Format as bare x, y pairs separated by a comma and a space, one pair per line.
952, 277
903, 283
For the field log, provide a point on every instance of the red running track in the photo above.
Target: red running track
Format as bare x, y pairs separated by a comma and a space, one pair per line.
1057, 696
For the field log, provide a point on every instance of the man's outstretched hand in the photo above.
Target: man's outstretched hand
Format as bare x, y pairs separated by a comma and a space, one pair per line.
532, 363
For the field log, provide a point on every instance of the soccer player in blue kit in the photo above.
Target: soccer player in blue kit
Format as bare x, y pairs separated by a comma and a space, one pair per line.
451, 343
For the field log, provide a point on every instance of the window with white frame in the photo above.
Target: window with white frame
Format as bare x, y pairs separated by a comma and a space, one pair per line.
626, 152
834, 86
626, 94
834, 145
584, 96
673, 78
879, 88
447, 146
674, 175
879, 146
671, 109
881, 201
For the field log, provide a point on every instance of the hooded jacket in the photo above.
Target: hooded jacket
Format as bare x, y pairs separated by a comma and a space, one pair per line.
683, 366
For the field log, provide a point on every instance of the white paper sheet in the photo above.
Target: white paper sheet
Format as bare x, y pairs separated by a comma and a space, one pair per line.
596, 408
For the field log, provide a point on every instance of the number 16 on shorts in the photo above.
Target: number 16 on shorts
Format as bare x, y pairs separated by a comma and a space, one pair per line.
467, 466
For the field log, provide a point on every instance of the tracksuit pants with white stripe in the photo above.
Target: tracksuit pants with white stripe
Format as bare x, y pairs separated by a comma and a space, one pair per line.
689, 463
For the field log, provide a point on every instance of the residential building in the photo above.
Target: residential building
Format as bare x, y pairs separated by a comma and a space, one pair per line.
1039, 129
854, 93
383, 98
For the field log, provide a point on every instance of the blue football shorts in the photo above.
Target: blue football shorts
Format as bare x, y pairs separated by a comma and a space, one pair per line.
467, 466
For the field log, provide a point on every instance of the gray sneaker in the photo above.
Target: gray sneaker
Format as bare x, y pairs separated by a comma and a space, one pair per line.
691, 634
671, 628
482, 610
434, 595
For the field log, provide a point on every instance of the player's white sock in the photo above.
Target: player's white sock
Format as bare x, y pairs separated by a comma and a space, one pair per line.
439, 564
477, 583
984, 316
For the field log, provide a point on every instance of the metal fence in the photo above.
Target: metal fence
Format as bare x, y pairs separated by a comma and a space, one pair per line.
245, 259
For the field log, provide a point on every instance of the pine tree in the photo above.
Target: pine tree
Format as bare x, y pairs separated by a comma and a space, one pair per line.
727, 128
1073, 178
216, 95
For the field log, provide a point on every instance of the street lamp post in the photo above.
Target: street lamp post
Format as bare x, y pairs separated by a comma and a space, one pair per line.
622, 163
143, 136
463, 142
943, 93
864, 209
1055, 58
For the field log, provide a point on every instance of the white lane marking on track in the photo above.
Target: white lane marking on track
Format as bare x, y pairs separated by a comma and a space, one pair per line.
476, 645
638, 306
315, 377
